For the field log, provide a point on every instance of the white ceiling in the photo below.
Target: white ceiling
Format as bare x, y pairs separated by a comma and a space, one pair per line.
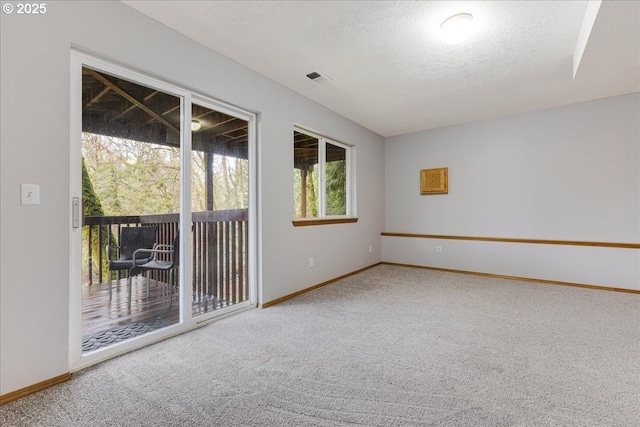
391, 73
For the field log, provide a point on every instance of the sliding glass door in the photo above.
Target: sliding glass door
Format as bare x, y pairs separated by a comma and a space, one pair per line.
162, 231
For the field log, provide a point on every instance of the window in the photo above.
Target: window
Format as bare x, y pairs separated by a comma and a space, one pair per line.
322, 183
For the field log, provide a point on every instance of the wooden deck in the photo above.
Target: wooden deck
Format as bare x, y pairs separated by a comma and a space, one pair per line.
101, 314
219, 253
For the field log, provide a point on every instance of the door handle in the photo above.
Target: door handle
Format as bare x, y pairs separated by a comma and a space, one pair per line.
75, 208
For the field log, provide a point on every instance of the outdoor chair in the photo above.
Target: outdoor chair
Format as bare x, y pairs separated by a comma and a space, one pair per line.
153, 262
131, 239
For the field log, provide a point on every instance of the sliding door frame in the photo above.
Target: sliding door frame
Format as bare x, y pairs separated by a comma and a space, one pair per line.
78, 360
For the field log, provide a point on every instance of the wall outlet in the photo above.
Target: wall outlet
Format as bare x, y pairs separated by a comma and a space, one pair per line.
438, 249
370, 248
311, 262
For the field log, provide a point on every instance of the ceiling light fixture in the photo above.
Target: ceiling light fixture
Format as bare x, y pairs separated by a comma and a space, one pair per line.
457, 28
195, 126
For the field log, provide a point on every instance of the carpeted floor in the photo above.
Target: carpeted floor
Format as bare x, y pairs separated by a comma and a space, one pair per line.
391, 346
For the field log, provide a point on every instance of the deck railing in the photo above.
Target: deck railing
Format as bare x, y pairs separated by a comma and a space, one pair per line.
219, 249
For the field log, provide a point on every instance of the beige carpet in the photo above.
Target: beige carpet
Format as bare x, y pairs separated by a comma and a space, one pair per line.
391, 346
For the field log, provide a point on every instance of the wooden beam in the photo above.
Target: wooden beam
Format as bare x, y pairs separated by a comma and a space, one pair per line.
131, 99
303, 192
227, 126
133, 107
206, 113
170, 110
97, 97
244, 136
151, 95
208, 159
146, 98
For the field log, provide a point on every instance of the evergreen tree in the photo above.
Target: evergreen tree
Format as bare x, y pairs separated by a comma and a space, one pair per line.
336, 191
91, 206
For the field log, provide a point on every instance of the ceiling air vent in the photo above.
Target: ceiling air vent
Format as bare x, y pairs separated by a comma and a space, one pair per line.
317, 77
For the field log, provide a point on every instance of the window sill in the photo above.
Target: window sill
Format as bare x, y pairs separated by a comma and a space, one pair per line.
322, 221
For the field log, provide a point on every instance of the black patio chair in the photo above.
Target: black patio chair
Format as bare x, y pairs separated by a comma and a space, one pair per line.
131, 239
171, 264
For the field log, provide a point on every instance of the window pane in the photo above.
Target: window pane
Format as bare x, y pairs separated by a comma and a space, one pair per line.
219, 161
131, 150
305, 187
220, 201
131, 200
336, 179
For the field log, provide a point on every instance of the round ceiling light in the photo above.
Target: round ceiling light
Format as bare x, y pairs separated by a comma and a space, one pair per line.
195, 126
457, 28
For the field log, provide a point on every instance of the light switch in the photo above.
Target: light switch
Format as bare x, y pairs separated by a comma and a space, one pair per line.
29, 194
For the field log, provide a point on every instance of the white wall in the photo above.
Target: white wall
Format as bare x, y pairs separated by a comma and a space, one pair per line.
569, 173
35, 148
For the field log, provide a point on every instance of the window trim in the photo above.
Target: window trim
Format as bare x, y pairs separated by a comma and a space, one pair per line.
323, 218
302, 222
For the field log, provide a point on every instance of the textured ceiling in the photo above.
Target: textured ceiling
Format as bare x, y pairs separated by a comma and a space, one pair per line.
391, 73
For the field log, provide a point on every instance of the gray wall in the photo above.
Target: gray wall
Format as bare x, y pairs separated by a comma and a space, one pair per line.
568, 173
35, 148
